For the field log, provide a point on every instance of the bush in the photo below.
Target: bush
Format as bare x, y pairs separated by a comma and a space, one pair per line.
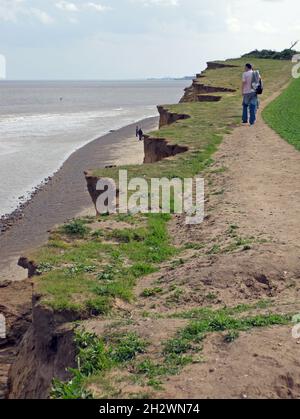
286, 54
76, 228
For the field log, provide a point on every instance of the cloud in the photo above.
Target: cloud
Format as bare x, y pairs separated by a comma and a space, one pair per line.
11, 10
67, 6
72, 7
233, 22
265, 27
42, 16
158, 2
96, 6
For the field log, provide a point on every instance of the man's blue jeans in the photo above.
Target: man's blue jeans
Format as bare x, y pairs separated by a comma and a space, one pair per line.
252, 118
250, 107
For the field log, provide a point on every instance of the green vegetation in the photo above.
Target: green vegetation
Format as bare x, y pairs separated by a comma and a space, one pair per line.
203, 132
283, 114
120, 257
89, 273
96, 356
206, 313
151, 292
181, 350
76, 228
86, 267
286, 54
220, 322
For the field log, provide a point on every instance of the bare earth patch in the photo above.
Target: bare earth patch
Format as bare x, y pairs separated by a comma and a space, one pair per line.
260, 364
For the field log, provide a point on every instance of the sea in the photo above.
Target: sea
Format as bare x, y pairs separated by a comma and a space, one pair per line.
43, 122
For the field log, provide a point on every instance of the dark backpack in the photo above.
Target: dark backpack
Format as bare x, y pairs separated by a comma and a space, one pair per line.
259, 87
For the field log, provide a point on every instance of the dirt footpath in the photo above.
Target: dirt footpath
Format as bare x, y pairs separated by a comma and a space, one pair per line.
254, 204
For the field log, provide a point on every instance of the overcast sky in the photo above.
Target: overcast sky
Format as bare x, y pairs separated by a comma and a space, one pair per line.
119, 39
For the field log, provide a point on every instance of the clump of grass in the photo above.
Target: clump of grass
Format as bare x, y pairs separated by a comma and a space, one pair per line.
194, 246
44, 267
76, 228
231, 336
129, 235
151, 292
211, 297
80, 268
96, 356
125, 348
177, 346
220, 322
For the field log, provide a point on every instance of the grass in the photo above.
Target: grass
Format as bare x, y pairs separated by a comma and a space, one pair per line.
181, 350
209, 122
85, 270
205, 312
117, 352
151, 292
96, 356
283, 114
138, 251
88, 274
76, 228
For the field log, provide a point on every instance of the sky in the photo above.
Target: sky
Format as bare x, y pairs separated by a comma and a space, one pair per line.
134, 39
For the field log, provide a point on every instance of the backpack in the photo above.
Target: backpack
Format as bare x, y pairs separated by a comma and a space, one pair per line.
257, 83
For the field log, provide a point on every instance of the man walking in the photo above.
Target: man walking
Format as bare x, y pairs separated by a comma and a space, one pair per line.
249, 96
140, 134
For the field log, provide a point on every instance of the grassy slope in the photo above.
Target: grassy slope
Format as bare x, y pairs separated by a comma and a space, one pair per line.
87, 271
283, 114
85, 268
209, 121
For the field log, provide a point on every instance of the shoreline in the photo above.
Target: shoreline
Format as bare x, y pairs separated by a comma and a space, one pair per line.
64, 195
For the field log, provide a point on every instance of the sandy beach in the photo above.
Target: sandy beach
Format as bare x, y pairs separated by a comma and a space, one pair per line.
65, 194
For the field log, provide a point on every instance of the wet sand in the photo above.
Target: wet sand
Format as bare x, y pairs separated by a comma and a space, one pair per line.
65, 195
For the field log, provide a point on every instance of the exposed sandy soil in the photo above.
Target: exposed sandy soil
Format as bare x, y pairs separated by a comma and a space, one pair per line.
261, 364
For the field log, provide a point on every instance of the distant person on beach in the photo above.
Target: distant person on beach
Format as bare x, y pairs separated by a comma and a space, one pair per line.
140, 134
137, 131
250, 100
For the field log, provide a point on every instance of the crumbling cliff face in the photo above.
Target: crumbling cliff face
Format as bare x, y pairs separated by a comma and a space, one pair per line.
199, 92
46, 351
213, 65
15, 310
157, 149
168, 118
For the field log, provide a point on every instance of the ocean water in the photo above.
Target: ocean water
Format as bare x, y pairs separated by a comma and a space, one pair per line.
42, 123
